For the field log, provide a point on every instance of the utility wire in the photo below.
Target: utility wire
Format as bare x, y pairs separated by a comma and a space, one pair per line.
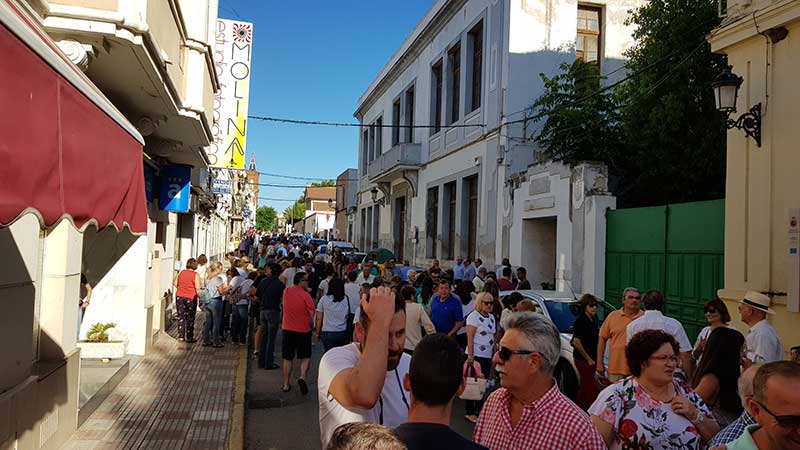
344, 124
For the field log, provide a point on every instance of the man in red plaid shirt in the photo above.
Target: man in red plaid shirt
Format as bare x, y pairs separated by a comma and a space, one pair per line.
528, 411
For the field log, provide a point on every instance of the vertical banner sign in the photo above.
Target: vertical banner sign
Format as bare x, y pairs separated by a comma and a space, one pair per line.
233, 42
175, 184
793, 261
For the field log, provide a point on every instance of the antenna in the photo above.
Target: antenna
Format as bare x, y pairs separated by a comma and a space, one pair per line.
569, 283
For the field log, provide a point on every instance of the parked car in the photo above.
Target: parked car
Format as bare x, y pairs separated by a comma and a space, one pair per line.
342, 246
562, 309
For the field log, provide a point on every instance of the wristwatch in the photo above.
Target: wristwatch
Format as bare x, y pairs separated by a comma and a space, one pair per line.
701, 416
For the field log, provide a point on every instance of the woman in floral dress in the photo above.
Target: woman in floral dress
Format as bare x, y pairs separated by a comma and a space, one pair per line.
652, 409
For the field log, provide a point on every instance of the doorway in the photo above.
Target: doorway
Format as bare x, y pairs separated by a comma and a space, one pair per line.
400, 228
539, 251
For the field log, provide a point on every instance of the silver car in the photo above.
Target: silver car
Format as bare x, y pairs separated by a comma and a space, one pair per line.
562, 309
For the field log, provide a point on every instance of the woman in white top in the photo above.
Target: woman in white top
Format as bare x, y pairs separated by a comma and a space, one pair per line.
481, 330
332, 314
416, 319
202, 266
465, 291
717, 316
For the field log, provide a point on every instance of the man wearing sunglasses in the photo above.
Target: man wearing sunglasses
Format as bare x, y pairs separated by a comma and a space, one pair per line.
539, 415
776, 408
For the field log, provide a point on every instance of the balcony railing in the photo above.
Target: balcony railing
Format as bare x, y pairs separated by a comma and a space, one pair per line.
397, 159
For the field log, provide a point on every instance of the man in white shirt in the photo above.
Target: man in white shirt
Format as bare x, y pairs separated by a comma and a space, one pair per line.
654, 319
365, 275
362, 381
763, 343
480, 279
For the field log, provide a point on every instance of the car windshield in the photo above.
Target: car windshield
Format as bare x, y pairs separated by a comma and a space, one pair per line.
563, 314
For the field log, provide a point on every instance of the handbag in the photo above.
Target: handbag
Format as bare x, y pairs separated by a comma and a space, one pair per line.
207, 293
475, 385
349, 321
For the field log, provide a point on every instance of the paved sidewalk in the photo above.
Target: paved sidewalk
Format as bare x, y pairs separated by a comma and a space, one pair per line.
181, 396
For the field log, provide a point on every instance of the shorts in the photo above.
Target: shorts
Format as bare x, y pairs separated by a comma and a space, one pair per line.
296, 344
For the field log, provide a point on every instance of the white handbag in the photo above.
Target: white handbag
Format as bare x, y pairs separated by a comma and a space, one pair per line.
475, 387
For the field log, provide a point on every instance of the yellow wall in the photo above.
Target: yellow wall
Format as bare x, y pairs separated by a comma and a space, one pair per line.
762, 183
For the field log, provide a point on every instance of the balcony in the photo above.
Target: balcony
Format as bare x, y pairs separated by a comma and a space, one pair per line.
394, 163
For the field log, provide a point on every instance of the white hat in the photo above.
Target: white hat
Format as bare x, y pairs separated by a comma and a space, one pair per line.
758, 301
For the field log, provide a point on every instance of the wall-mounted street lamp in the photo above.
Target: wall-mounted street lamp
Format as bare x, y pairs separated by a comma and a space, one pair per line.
379, 202
726, 90
330, 203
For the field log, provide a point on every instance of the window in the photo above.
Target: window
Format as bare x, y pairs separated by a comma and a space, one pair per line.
432, 222
378, 137
371, 142
410, 114
436, 82
476, 44
589, 38
471, 185
376, 226
365, 151
396, 122
450, 194
363, 237
454, 69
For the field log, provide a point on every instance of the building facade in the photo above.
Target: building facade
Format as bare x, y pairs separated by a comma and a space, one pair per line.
458, 183
346, 204
320, 214
762, 206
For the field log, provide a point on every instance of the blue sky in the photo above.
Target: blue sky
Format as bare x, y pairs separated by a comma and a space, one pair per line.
313, 60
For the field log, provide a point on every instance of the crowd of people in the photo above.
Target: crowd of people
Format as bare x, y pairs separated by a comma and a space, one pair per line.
402, 344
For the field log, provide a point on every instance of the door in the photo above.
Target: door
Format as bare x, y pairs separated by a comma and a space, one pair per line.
400, 229
472, 216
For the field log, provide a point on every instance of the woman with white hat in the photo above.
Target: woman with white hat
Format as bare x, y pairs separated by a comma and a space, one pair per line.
762, 343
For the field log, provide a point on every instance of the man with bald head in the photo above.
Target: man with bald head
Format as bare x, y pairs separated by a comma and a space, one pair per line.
736, 428
775, 406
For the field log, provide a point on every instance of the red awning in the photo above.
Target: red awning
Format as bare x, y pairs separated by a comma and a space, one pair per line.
65, 151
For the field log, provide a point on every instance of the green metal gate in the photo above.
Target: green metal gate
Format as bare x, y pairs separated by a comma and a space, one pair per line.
677, 249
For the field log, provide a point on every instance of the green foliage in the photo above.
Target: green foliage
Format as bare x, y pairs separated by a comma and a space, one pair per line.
99, 332
658, 131
579, 123
265, 218
296, 211
676, 137
326, 183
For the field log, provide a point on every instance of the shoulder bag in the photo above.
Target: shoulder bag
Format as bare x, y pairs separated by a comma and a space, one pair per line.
349, 321
475, 385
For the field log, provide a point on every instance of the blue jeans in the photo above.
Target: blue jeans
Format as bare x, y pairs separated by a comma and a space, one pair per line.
213, 320
270, 324
240, 319
331, 339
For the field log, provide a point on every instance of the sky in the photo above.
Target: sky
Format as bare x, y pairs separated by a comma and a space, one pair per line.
312, 60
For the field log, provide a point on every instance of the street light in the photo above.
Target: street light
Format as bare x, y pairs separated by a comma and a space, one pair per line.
726, 91
374, 192
330, 203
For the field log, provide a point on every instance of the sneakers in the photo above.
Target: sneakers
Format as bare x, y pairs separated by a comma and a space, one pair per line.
303, 386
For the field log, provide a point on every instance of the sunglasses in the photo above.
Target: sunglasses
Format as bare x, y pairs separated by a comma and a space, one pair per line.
711, 311
505, 353
787, 422
488, 303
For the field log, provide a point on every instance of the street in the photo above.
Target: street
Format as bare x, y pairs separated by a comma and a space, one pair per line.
278, 421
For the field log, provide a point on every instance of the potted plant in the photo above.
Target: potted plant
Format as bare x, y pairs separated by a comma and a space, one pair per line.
98, 345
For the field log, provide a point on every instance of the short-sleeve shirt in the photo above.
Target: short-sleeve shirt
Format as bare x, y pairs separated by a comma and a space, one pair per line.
444, 315
615, 329
391, 409
334, 314
485, 328
298, 310
763, 344
216, 283
466, 310
656, 320
636, 417
585, 329
434, 436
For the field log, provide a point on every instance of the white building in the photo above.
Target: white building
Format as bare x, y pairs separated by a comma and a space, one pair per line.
463, 185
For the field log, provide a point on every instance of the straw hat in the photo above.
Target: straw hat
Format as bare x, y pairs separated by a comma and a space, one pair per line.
758, 301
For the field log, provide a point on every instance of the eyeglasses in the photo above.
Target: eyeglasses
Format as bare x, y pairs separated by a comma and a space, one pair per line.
711, 311
665, 358
788, 422
505, 353
592, 305
488, 303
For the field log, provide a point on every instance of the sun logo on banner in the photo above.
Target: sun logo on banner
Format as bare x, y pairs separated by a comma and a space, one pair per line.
242, 32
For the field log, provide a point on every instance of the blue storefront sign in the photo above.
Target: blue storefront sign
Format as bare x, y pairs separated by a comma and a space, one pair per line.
221, 186
175, 185
149, 182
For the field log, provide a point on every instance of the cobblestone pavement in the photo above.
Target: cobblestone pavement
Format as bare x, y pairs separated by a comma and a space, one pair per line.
180, 396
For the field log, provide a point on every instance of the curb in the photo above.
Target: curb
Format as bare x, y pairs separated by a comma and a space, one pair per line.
236, 435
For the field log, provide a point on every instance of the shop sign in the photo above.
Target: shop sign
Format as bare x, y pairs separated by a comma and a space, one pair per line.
222, 186
175, 188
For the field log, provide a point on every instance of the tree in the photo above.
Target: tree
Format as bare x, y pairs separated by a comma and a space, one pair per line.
296, 211
580, 121
265, 218
674, 134
326, 183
